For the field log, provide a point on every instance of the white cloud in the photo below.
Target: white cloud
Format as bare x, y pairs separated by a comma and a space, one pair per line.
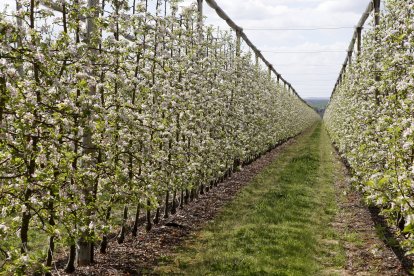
311, 74
342, 6
4, 3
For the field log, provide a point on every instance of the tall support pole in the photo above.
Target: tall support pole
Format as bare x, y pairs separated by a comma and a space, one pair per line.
90, 32
343, 71
270, 72
213, 4
200, 23
238, 43
84, 248
200, 17
349, 57
237, 158
373, 5
359, 40
238, 54
19, 22
200, 10
377, 7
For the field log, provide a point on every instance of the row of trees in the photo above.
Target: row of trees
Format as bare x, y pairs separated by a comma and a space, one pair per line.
114, 105
371, 115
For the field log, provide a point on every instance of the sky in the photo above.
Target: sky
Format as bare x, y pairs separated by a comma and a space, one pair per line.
312, 74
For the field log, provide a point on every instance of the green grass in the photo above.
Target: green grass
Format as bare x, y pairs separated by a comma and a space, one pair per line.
278, 225
353, 237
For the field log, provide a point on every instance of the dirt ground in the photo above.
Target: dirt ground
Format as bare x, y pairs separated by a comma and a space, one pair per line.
136, 256
367, 253
361, 229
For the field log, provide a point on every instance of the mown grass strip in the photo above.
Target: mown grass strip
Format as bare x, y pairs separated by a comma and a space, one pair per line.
278, 225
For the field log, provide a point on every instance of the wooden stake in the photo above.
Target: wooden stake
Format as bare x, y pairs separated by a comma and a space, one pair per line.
377, 8
359, 40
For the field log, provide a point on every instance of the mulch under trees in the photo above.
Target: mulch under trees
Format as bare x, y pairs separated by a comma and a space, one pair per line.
139, 255
363, 233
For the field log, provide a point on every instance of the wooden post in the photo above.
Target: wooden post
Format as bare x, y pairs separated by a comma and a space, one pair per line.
90, 21
344, 69
200, 10
349, 57
238, 43
19, 22
359, 40
270, 72
238, 54
377, 8
200, 16
213, 4
84, 249
257, 59
200, 26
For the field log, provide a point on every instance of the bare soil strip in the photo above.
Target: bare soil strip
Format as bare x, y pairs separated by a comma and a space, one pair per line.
366, 253
137, 256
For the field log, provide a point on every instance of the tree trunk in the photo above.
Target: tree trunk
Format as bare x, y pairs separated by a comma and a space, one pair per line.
92, 251
182, 199
149, 223
136, 221
174, 203
187, 196
70, 266
104, 242
196, 191
237, 164
121, 236
24, 231
167, 199
193, 194
51, 248
84, 252
50, 251
157, 216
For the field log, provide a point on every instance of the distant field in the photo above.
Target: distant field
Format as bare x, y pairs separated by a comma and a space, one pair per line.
319, 103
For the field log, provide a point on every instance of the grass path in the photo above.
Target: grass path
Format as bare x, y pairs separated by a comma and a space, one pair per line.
278, 225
